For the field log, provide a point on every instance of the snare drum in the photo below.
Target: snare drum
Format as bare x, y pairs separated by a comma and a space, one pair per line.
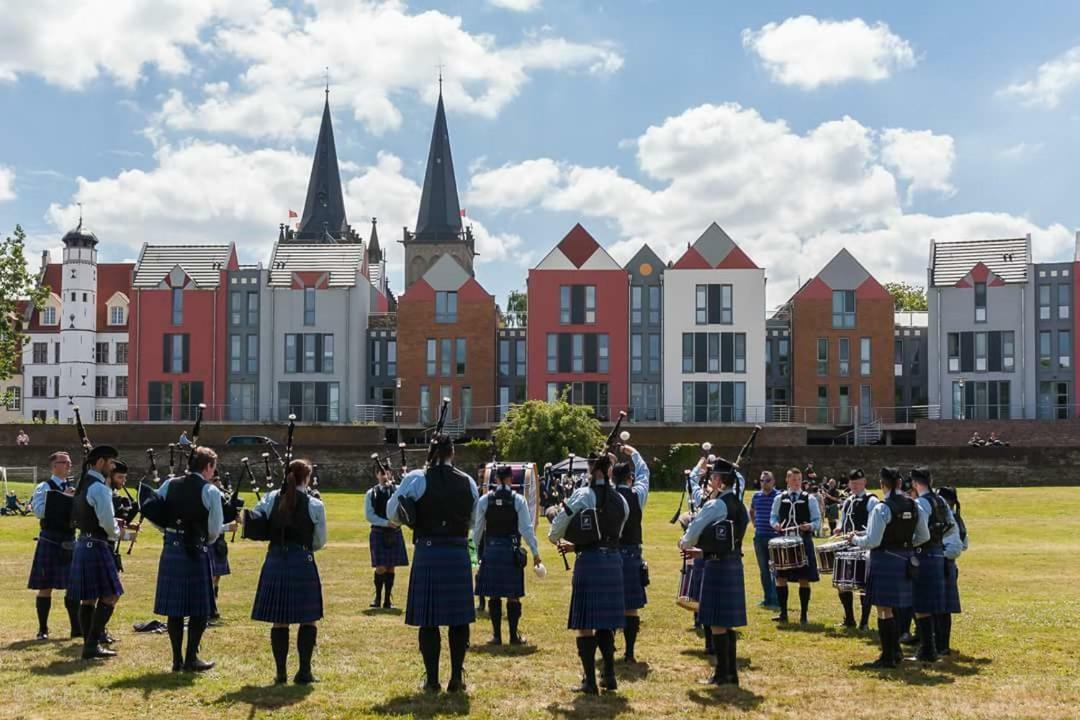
850, 572
689, 593
826, 554
787, 552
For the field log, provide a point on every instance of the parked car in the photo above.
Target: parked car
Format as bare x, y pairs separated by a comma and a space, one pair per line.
238, 440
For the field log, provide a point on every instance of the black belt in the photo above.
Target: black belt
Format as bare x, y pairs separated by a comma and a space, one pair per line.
901, 546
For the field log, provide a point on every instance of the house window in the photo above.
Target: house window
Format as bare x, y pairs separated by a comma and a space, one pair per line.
982, 400
446, 306
768, 356
309, 401
56, 352
460, 352
242, 401
116, 315
843, 356
178, 306
980, 352
713, 401
176, 353
101, 352
39, 387
120, 416
823, 403
725, 304
253, 308
654, 353
309, 306
552, 353
864, 356
713, 305
1045, 352
1064, 300
635, 304
425, 403
391, 358
1008, 348
290, 353
602, 356
430, 356
309, 353
823, 356
635, 353
14, 399
253, 353
234, 354
101, 415
898, 357
843, 308
1044, 302
654, 305
578, 357
688, 352
701, 304
160, 396
590, 304
980, 302
1064, 348
235, 299
446, 358
101, 386
845, 406
552, 392
504, 357
121, 386
714, 352
782, 352
41, 353
564, 304
48, 315
121, 353
327, 353
954, 352
466, 404
375, 353
740, 352
519, 358
577, 304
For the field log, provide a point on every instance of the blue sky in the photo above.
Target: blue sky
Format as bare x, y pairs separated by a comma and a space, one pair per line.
800, 128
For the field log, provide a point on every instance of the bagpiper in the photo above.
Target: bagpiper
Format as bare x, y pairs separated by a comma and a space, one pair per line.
51, 567
386, 542
632, 482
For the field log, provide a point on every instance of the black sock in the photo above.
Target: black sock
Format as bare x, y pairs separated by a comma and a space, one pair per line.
887, 637
44, 604
457, 637
430, 647
928, 647
630, 633
848, 601
903, 621
306, 636
378, 588
721, 644
605, 640
176, 639
279, 645
513, 617
943, 631
102, 613
864, 618
804, 602
708, 641
196, 628
782, 597
72, 607
733, 668
86, 617
388, 586
495, 613
586, 648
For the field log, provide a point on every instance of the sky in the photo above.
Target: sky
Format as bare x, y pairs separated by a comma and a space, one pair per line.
800, 128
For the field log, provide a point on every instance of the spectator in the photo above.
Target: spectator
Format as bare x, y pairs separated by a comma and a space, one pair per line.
996, 441
831, 495
22, 439
183, 441
760, 507
977, 441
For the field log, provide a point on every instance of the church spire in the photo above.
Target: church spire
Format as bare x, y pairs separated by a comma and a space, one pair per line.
324, 208
440, 211
374, 252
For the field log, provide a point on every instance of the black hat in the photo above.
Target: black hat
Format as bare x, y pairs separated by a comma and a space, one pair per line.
621, 471
120, 467
722, 466
101, 451
856, 474
905, 484
921, 475
948, 494
504, 471
891, 474
600, 462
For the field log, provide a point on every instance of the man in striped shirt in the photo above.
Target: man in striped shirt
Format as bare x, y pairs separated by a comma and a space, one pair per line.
760, 507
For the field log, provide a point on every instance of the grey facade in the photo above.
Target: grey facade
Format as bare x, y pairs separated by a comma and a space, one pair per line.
910, 361
246, 290
982, 333
646, 271
1054, 339
778, 395
510, 367
382, 367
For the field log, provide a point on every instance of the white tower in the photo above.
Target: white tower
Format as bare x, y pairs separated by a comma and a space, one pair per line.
78, 324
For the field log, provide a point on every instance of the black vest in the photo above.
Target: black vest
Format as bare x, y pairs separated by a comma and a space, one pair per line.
380, 495
86, 519
609, 514
58, 519
901, 527
801, 501
938, 522
184, 509
446, 506
631, 534
858, 512
501, 518
295, 528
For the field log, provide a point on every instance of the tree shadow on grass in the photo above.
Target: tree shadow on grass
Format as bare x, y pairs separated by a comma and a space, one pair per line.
20, 645
423, 706
265, 698
149, 683
592, 707
504, 650
731, 695
71, 663
633, 672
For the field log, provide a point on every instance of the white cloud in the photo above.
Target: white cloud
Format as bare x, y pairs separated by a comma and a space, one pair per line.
7, 184
73, 42
1021, 151
512, 186
283, 54
922, 158
516, 5
1053, 80
808, 53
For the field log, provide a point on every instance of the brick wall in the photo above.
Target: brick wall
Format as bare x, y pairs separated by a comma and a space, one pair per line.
1022, 433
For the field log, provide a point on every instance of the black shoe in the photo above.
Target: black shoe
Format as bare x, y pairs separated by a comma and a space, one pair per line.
925, 657
455, 685
387, 605
944, 652
198, 665
43, 635
106, 639
177, 667
96, 652
781, 618
608, 682
494, 641
802, 619
304, 678
882, 663
281, 679
432, 687
864, 627
909, 639
518, 640
589, 688
847, 623
630, 659
713, 679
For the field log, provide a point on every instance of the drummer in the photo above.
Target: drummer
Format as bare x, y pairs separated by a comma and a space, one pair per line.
854, 514
702, 490
796, 511
928, 598
895, 526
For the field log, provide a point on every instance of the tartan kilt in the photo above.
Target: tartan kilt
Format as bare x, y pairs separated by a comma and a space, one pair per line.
952, 589
440, 584
185, 585
93, 571
596, 598
928, 593
699, 571
499, 576
290, 591
634, 597
723, 596
52, 563
387, 547
809, 571
887, 584
219, 563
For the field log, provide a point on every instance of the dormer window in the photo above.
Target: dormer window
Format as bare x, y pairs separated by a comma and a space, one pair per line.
116, 315
48, 315
980, 302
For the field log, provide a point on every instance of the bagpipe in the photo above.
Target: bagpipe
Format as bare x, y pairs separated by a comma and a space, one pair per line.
256, 526
151, 505
152, 476
406, 510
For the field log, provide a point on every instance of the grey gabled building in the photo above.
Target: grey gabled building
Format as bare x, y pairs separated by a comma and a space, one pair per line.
778, 394
646, 271
1054, 339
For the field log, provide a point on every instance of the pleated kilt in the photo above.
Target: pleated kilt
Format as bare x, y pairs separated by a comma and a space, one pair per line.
440, 584
220, 563
387, 546
723, 596
952, 589
185, 584
596, 598
499, 576
52, 563
634, 597
290, 591
699, 571
808, 571
928, 593
887, 584
93, 570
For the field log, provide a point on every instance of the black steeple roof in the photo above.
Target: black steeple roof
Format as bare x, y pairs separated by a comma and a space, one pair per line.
324, 209
373, 250
440, 211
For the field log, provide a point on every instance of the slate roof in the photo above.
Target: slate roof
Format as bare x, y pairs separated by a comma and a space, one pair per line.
341, 261
324, 207
950, 262
202, 263
440, 211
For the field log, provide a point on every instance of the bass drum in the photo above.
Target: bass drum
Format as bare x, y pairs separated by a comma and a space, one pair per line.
689, 591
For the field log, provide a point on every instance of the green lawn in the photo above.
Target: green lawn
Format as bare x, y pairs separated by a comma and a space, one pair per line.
1019, 640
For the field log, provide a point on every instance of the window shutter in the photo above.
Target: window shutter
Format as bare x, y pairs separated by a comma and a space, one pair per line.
727, 352
577, 304
993, 351
318, 352
186, 345
967, 352
727, 401
166, 352
196, 394
701, 359
565, 340
714, 304
591, 355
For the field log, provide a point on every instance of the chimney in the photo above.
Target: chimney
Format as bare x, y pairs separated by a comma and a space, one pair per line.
45, 255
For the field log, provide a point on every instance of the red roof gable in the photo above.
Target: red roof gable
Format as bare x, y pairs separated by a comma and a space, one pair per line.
578, 245
815, 289
691, 260
737, 260
871, 289
419, 291
111, 278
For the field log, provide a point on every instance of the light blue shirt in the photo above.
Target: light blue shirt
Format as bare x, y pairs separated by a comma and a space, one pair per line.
524, 520
582, 499
316, 511
880, 517
369, 511
37, 501
641, 479
951, 541
713, 511
99, 497
414, 485
811, 501
699, 494
211, 500
845, 510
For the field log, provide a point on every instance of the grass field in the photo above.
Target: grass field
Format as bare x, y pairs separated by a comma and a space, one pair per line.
1018, 641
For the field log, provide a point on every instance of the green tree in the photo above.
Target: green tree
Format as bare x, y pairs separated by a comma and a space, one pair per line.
517, 309
17, 284
907, 296
547, 432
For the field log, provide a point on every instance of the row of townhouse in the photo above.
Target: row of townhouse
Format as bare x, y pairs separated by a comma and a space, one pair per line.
317, 332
